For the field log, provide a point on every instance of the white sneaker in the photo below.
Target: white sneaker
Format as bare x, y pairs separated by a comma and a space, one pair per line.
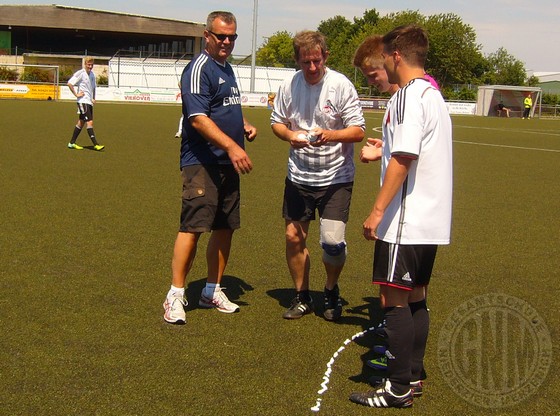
220, 301
174, 307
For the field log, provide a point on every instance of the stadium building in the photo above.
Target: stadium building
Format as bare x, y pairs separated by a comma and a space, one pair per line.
67, 30
134, 54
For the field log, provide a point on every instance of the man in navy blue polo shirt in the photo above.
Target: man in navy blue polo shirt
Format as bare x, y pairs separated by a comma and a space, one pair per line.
212, 157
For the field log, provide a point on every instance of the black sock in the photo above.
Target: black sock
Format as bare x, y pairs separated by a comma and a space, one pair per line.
92, 135
332, 292
304, 296
421, 319
400, 336
75, 135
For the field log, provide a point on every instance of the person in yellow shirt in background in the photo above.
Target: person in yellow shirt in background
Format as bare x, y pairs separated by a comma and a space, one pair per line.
527, 104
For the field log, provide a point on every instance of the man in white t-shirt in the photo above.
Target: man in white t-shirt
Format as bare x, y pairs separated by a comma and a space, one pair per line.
82, 84
318, 112
411, 215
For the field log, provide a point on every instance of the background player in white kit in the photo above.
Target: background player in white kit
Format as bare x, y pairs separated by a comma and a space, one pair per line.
83, 85
411, 215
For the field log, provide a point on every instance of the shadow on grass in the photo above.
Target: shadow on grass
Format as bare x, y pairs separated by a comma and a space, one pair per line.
368, 374
371, 310
363, 315
285, 296
234, 288
371, 339
371, 314
366, 315
91, 147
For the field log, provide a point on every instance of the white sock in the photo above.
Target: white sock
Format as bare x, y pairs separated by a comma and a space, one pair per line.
210, 289
176, 292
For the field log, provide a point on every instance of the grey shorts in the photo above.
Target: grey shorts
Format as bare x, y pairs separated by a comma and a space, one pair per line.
210, 198
332, 202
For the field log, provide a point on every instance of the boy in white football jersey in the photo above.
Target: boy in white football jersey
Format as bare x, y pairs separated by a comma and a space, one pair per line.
411, 215
82, 84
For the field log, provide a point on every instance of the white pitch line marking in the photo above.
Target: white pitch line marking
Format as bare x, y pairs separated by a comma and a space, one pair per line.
326, 377
502, 129
508, 146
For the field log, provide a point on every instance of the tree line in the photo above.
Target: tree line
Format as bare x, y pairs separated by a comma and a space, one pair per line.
454, 59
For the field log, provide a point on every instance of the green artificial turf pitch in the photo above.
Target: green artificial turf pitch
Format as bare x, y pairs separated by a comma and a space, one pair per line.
86, 242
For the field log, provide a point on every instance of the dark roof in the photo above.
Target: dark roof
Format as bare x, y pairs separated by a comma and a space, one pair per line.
65, 17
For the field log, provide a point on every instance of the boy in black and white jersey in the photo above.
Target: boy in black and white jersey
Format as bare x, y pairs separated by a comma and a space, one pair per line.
411, 215
82, 84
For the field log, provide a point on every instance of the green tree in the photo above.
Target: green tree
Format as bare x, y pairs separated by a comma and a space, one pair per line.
370, 18
533, 81
277, 51
335, 27
337, 30
343, 37
393, 20
550, 99
506, 69
463, 94
454, 56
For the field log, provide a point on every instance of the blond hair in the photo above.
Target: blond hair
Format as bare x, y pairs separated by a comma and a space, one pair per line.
369, 53
308, 40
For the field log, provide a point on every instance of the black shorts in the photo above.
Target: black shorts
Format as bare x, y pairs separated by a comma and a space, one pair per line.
210, 198
301, 201
85, 112
403, 266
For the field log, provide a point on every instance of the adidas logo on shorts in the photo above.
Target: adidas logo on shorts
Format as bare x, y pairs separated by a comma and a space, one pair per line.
406, 277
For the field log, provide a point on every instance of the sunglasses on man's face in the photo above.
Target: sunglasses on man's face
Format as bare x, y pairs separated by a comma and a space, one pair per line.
221, 37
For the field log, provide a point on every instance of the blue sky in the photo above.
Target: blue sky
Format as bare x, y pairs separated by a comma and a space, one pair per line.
530, 31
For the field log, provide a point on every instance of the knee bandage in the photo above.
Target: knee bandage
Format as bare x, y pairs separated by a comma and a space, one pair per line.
333, 242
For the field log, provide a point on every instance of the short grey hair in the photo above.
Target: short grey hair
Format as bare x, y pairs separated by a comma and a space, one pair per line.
227, 17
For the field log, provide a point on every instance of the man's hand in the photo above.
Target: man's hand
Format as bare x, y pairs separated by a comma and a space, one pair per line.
372, 151
250, 132
240, 160
371, 223
298, 139
321, 136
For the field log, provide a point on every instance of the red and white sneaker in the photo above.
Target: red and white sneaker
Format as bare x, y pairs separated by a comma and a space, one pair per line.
220, 301
174, 307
